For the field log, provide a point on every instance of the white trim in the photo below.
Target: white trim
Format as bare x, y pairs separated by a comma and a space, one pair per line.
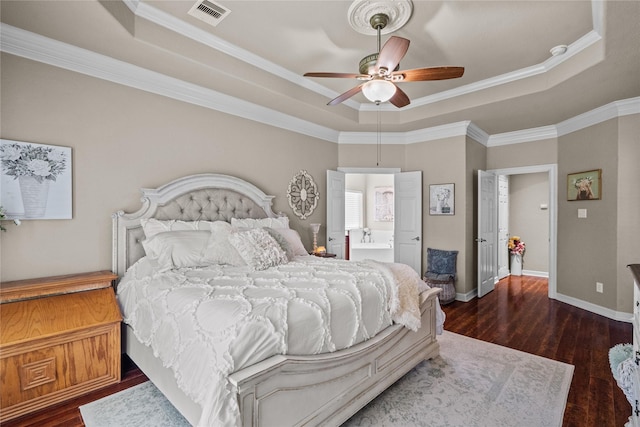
35, 47
370, 170
597, 309
552, 170
468, 296
535, 273
148, 12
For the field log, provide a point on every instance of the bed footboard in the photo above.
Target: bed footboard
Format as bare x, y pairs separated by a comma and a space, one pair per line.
328, 389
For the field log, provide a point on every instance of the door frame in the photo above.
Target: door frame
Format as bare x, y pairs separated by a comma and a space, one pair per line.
552, 171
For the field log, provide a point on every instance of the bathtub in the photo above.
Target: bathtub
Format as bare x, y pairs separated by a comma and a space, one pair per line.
377, 251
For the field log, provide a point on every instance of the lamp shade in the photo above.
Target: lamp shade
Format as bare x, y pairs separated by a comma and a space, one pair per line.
378, 90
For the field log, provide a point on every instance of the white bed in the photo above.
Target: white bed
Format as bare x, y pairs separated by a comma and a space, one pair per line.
320, 389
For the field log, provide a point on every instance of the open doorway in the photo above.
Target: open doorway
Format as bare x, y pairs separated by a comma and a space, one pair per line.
523, 213
524, 189
369, 216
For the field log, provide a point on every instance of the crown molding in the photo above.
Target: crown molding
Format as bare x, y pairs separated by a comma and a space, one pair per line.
42, 49
609, 111
606, 112
146, 11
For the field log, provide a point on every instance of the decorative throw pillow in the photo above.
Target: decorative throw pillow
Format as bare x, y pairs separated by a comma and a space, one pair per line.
152, 226
219, 249
293, 238
279, 222
442, 262
289, 241
258, 249
177, 249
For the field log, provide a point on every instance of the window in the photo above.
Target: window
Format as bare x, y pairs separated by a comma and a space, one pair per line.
352, 209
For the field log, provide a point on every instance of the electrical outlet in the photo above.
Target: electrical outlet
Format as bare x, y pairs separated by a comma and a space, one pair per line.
599, 287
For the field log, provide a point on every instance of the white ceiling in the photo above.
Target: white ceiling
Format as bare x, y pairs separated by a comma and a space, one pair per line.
259, 52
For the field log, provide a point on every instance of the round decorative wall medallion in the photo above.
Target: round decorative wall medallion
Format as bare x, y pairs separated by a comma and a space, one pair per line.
302, 194
361, 11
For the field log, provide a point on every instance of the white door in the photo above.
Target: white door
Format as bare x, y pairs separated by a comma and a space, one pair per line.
408, 219
487, 240
335, 213
503, 225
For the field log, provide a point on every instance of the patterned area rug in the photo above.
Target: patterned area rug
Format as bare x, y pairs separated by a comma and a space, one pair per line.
471, 383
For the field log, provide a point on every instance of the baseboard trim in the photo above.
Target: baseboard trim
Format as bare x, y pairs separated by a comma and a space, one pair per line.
594, 308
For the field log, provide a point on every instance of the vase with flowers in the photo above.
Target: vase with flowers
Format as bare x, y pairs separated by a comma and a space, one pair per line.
517, 249
34, 166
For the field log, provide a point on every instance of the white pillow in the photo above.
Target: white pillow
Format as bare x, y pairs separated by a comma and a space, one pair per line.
152, 226
219, 249
258, 249
176, 249
279, 222
289, 240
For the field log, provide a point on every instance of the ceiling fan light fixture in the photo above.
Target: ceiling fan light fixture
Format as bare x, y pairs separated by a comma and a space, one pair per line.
378, 90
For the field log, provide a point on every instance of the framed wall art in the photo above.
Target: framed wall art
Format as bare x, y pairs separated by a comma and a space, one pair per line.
35, 180
584, 185
442, 199
384, 204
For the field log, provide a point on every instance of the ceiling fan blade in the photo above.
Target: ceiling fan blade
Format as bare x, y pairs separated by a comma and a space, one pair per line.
399, 99
391, 53
337, 75
432, 73
348, 94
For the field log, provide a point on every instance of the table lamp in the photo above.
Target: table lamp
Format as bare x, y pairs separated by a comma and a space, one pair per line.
315, 228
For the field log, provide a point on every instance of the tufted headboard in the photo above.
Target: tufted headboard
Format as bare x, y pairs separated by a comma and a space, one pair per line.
206, 197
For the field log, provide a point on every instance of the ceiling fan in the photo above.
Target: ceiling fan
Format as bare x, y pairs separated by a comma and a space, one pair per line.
380, 71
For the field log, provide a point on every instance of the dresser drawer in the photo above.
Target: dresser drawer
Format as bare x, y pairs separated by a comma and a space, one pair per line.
49, 371
57, 347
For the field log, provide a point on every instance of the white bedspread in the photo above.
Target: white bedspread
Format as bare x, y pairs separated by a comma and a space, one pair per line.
206, 323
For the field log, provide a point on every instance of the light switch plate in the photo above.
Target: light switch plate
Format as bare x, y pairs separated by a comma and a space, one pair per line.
582, 213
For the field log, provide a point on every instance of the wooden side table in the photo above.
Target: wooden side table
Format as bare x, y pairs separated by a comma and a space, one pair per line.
325, 255
59, 339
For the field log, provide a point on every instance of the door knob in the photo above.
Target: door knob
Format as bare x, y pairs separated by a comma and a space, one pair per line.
481, 240
417, 238
331, 239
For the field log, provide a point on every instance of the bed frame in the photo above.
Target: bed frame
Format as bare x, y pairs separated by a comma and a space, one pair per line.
325, 389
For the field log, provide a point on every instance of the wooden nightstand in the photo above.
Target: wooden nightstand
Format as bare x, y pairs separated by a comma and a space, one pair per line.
325, 255
59, 339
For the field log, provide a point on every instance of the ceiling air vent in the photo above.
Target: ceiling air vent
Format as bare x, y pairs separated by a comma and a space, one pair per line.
209, 12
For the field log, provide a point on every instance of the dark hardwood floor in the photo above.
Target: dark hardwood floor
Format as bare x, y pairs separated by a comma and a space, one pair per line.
516, 314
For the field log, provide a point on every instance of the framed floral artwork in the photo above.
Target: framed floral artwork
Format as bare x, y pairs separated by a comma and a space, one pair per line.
442, 199
584, 185
35, 180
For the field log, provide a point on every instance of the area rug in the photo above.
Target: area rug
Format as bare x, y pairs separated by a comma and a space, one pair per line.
471, 383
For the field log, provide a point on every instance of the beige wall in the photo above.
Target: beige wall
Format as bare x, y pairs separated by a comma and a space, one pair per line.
124, 139
476, 155
523, 154
588, 249
628, 211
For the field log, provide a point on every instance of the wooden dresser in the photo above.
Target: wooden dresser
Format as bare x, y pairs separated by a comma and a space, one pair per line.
59, 339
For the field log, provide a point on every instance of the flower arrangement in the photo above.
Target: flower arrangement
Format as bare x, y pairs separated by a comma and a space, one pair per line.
3, 217
516, 246
34, 160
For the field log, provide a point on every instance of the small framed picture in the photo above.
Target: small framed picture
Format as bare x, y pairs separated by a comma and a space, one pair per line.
584, 185
442, 199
